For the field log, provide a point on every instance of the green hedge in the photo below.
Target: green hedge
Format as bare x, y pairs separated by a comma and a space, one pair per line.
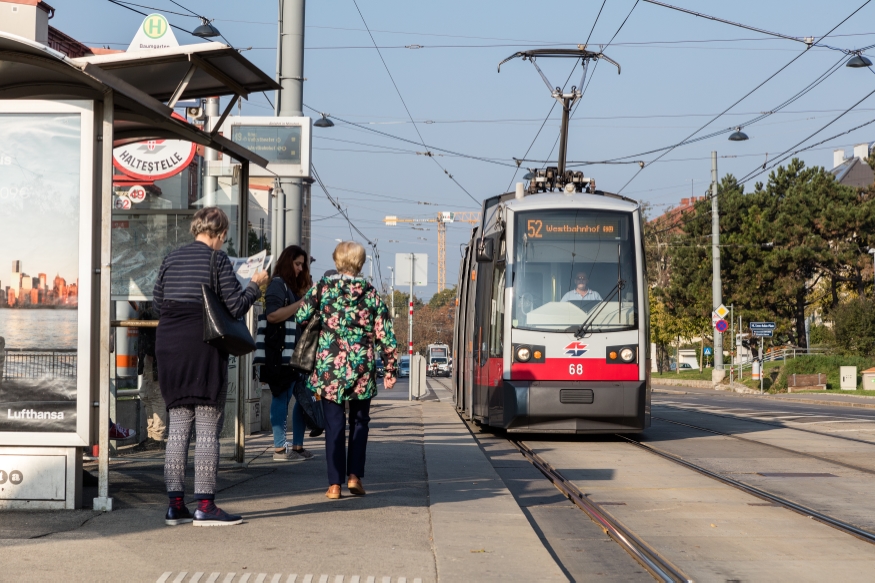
827, 364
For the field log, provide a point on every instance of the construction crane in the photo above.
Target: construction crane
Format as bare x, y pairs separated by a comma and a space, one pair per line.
472, 217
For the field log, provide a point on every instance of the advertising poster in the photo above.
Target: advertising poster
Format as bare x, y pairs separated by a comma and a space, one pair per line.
39, 270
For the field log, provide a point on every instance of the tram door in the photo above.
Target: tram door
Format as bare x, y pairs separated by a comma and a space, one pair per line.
495, 367
467, 376
482, 318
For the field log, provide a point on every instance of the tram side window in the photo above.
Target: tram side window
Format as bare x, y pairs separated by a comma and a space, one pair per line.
496, 323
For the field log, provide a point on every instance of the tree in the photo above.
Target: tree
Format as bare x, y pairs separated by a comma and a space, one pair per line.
442, 298
780, 244
855, 327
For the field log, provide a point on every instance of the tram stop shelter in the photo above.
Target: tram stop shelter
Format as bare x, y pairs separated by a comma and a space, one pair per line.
60, 119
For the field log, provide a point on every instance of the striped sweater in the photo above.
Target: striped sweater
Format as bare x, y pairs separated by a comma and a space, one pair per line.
185, 269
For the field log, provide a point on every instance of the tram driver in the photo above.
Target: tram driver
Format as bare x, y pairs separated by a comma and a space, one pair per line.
581, 290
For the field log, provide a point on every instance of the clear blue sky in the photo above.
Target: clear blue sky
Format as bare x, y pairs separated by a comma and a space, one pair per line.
677, 69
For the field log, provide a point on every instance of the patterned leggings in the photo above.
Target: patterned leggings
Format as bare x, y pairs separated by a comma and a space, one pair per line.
208, 423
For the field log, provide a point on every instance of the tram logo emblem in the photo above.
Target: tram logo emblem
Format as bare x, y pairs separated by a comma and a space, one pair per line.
575, 349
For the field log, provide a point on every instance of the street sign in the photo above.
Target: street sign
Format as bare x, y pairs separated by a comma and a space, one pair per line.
762, 326
721, 311
721, 326
763, 333
403, 266
715, 318
708, 351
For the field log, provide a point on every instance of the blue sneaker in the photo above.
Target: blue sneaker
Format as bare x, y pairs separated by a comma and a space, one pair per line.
216, 517
176, 516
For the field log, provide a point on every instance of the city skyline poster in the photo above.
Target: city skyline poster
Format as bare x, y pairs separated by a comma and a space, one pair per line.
41, 190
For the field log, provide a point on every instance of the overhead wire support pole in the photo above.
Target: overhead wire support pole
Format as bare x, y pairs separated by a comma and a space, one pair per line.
716, 284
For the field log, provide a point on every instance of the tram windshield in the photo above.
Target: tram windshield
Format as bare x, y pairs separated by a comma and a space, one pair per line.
574, 266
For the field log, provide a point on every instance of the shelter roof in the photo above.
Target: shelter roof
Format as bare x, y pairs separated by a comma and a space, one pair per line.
29, 70
218, 70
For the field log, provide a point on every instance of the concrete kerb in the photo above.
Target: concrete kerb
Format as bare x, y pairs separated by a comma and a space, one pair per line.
480, 533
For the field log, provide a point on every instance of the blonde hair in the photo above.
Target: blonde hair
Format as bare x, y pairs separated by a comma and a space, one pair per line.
210, 220
349, 257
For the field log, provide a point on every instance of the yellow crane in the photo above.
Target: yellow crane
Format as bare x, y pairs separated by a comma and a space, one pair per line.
442, 219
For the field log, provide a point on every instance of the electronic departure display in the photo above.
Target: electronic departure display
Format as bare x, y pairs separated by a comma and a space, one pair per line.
274, 143
591, 227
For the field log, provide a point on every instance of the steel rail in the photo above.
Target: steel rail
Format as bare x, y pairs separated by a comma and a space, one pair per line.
773, 423
778, 447
657, 565
845, 527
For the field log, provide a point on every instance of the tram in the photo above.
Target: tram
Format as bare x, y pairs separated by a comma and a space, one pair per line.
552, 323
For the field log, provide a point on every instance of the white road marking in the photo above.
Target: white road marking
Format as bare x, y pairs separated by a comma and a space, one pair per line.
229, 577
308, 578
163, 578
323, 579
196, 577
213, 577
338, 579
276, 578
244, 578
261, 577
180, 577
292, 578
354, 579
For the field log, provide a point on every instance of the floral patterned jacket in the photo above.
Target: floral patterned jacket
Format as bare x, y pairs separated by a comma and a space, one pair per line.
355, 321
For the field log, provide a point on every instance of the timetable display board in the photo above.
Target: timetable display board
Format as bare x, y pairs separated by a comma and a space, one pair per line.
283, 141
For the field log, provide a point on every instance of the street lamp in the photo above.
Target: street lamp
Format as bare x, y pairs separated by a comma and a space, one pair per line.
737, 135
324, 122
207, 30
858, 61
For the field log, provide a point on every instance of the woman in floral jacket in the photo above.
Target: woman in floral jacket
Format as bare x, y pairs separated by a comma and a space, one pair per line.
355, 322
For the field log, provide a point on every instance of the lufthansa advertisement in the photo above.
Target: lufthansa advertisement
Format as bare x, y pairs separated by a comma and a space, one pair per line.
41, 292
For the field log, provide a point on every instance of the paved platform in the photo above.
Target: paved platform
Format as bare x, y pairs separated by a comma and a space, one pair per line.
435, 511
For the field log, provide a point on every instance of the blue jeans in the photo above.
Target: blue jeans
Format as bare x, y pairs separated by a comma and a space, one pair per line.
279, 413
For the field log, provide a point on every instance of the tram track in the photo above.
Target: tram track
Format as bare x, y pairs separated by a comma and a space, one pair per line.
657, 565
773, 446
835, 523
764, 422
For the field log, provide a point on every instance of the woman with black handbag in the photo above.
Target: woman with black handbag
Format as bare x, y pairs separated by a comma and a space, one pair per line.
291, 281
349, 322
193, 375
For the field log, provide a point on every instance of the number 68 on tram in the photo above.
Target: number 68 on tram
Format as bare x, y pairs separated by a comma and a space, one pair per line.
552, 316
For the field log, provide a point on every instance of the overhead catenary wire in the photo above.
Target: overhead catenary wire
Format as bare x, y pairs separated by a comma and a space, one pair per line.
407, 109
745, 96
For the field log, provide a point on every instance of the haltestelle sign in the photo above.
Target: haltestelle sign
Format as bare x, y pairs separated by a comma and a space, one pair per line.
154, 159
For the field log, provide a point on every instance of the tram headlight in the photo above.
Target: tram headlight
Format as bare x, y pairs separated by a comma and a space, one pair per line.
523, 354
627, 355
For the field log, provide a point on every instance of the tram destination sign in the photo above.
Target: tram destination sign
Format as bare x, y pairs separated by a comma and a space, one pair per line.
552, 227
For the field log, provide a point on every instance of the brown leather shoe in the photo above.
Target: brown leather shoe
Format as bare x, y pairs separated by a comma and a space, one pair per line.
355, 487
333, 492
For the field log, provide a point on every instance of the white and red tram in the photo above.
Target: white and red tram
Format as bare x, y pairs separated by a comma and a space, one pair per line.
552, 326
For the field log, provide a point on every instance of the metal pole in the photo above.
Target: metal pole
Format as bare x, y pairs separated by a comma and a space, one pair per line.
290, 64
716, 285
211, 183
733, 342
410, 310
103, 501
762, 368
563, 135
392, 291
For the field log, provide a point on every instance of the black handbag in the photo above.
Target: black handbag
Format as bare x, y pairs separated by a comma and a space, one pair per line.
304, 356
221, 329
311, 407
